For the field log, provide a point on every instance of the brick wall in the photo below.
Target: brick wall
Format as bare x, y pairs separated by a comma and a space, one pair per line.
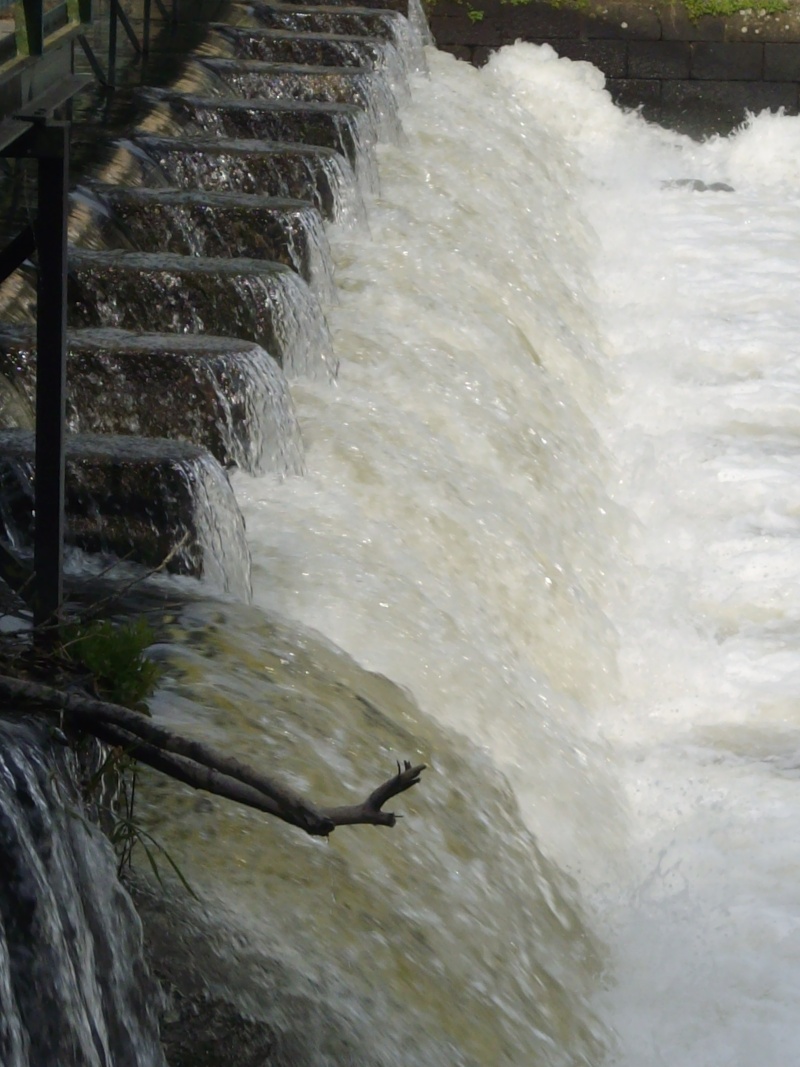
704, 74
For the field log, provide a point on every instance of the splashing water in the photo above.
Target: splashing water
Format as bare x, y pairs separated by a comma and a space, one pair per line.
72, 983
553, 497
546, 540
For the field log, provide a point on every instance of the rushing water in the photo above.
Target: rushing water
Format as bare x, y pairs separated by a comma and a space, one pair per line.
73, 989
545, 541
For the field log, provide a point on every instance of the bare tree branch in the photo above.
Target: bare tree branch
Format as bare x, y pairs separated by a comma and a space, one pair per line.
370, 810
201, 767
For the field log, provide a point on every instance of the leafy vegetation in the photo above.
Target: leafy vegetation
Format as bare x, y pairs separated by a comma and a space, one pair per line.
127, 832
110, 659
114, 655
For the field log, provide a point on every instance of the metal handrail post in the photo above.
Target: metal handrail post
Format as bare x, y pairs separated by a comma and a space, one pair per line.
51, 362
112, 43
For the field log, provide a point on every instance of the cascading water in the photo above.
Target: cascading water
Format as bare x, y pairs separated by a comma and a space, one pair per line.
551, 498
202, 223
259, 301
322, 175
73, 988
407, 34
165, 503
545, 542
238, 403
700, 326
330, 50
366, 86
343, 127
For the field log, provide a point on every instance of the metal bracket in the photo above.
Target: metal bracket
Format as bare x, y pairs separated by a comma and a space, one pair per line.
108, 77
16, 252
94, 62
43, 106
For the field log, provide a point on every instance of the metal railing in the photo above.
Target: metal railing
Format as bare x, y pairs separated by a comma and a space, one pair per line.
36, 81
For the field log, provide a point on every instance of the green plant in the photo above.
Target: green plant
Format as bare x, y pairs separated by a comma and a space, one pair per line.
114, 655
126, 832
475, 14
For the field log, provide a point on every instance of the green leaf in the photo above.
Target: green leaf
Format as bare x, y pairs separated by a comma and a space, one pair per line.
115, 656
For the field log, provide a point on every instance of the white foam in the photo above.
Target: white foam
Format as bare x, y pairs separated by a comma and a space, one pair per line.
563, 446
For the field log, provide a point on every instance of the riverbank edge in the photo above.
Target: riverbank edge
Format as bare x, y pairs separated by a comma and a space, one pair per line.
699, 75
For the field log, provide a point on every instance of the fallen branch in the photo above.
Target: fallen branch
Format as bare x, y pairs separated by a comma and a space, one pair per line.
370, 811
201, 767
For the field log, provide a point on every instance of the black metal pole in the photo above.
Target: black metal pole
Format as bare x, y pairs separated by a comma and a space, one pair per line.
112, 42
51, 362
126, 25
146, 29
33, 11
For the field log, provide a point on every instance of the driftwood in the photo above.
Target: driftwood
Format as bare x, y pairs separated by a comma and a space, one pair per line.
202, 767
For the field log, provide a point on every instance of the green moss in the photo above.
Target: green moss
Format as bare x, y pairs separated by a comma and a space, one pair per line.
694, 8
725, 8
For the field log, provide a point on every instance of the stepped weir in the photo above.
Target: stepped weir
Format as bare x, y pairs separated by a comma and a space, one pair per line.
459, 406
209, 153
198, 258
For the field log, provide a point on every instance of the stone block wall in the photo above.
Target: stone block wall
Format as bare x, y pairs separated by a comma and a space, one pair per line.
700, 75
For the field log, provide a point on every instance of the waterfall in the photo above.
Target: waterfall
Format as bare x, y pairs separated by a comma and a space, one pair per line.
405, 34
190, 222
365, 86
234, 386
73, 989
543, 540
424, 542
269, 169
456, 942
135, 496
317, 49
259, 301
343, 127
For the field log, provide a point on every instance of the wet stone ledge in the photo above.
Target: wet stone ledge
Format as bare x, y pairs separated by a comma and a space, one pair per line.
285, 81
238, 298
312, 49
294, 171
699, 75
355, 21
147, 501
188, 222
329, 125
235, 401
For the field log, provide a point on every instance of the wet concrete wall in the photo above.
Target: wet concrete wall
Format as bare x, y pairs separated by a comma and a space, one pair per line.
704, 73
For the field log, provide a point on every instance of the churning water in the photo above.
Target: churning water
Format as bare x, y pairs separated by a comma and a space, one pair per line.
552, 503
